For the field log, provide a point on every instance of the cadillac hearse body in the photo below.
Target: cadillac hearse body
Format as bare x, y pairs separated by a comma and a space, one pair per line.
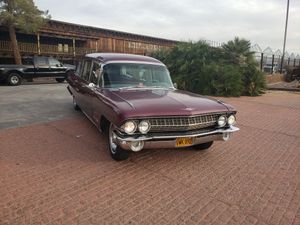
133, 98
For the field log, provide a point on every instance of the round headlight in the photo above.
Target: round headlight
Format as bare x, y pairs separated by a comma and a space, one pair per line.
129, 127
144, 127
231, 120
222, 121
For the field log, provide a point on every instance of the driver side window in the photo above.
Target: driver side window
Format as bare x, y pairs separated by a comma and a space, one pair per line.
95, 74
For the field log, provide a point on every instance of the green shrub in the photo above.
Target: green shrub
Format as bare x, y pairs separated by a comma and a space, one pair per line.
254, 81
202, 69
225, 80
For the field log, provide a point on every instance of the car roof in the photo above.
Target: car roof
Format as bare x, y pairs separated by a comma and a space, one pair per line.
114, 57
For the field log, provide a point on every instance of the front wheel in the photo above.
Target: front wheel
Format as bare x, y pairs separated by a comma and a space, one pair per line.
60, 80
14, 79
116, 152
203, 146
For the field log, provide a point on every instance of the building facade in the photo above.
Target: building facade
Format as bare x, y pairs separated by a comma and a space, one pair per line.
69, 42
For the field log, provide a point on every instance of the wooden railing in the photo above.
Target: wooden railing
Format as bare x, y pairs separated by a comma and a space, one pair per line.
32, 48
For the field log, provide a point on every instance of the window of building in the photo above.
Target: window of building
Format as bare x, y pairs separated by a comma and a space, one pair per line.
60, 48
66, 48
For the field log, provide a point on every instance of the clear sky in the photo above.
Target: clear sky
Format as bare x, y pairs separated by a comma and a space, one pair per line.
260, 21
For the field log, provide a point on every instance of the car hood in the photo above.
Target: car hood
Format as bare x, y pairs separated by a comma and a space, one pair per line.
139, 103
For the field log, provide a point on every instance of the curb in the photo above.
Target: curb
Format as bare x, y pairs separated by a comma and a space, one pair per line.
283, 89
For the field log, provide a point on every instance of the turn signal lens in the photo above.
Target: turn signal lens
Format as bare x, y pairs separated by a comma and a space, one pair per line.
137, 146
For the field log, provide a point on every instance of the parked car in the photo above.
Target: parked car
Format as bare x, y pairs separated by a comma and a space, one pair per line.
293, 73
33, 67
269, 69
132, 98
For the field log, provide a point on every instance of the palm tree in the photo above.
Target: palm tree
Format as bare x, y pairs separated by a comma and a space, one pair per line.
237, 51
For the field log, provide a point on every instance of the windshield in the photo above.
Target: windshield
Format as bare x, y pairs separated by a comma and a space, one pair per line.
123, 75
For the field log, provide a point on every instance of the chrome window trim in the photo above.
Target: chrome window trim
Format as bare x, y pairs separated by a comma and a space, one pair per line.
133, 62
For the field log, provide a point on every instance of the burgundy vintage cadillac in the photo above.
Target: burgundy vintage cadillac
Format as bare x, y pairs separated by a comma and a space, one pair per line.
133, 98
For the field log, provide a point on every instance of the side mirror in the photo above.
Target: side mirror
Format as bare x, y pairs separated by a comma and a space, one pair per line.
175, 85
92, 85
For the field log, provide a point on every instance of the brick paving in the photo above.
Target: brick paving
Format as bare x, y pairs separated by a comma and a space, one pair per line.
61, 173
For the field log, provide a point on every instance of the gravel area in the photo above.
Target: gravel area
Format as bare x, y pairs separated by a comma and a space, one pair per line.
293, 86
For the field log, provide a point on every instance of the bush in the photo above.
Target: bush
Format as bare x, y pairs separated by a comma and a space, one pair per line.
254, 81
225, 80
202, 69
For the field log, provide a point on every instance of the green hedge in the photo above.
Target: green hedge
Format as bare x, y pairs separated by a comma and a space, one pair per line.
206, 70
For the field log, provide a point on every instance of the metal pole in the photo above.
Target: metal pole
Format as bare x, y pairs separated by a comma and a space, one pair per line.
285, 31
261, 61
74, 50
38, 43
272, 64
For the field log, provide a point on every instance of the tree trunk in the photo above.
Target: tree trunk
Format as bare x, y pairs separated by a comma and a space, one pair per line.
13, 38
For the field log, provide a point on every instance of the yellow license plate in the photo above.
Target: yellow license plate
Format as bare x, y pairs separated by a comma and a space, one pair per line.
182, 142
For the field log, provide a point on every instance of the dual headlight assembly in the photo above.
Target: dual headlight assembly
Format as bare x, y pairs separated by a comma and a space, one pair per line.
130, 127
223, 120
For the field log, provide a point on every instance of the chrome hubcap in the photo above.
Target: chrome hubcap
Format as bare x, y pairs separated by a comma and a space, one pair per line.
112, 139
14, 79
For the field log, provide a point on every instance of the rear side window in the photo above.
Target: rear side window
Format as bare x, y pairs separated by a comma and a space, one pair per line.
28, 61
86, 70
54, 62
78, 69
42, 61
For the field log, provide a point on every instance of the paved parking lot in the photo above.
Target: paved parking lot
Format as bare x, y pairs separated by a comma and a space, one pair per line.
34, 103
60, 172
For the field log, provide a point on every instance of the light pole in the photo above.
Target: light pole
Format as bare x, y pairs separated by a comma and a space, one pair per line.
285, 31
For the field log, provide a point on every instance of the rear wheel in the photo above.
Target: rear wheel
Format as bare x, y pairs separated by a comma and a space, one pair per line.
60, 80
116, 152
14, 79
203, 146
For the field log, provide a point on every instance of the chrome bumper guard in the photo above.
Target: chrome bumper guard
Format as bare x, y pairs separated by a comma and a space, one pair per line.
155, 141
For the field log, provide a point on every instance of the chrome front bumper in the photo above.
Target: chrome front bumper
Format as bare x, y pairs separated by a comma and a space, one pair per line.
169, 140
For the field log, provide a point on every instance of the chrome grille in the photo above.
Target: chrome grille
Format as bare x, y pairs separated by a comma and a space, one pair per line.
183, 123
